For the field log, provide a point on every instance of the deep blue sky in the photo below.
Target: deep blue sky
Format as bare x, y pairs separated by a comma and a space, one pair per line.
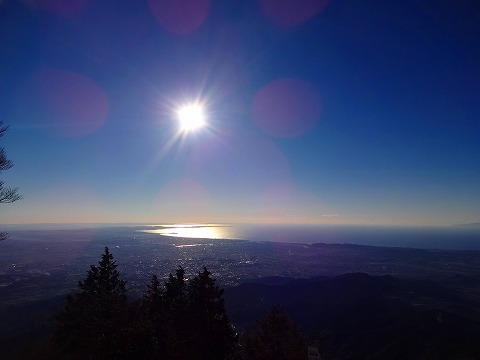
340, 111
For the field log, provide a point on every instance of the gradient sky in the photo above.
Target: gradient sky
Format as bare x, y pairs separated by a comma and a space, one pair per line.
341, 111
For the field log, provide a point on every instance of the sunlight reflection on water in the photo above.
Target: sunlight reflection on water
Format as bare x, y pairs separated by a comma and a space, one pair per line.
197, 231
426, 238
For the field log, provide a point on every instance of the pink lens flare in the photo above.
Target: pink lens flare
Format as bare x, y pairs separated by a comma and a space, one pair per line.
71, 103
180, 17
61, 8
286, 107
289, 13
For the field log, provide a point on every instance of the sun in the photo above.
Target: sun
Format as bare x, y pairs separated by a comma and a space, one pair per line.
191, 117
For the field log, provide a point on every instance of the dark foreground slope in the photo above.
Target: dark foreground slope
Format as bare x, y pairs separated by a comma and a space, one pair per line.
352, 316
358, 316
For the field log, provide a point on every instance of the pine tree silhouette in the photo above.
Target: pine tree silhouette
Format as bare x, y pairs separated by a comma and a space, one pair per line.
275, 336
177, 338
214, 336
181, 320
188, 318
154, 318
97, 320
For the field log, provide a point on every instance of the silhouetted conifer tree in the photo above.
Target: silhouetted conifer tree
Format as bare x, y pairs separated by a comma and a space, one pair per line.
176, 340
97, 321
213, 335
155, 318
154, 297
275, 336
176, 289
189, 318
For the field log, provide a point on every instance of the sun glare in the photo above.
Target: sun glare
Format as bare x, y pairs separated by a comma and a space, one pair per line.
191, 231
191, 117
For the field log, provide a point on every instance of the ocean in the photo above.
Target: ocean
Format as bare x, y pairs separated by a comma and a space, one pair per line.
448, 238
445, 238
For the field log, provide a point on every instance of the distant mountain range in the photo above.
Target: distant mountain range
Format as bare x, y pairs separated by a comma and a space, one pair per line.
469, 225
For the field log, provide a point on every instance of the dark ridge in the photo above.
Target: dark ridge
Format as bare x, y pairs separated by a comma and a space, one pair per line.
359, 316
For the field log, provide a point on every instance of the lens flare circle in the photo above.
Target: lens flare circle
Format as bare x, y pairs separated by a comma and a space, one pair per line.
290, 13
180, 17
286, 107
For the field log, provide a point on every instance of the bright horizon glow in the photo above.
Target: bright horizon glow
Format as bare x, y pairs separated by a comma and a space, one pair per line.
191, 117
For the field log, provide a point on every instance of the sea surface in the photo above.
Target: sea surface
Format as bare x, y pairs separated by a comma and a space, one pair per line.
448, 238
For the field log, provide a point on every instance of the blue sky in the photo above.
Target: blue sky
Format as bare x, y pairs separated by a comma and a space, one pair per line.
336, 112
